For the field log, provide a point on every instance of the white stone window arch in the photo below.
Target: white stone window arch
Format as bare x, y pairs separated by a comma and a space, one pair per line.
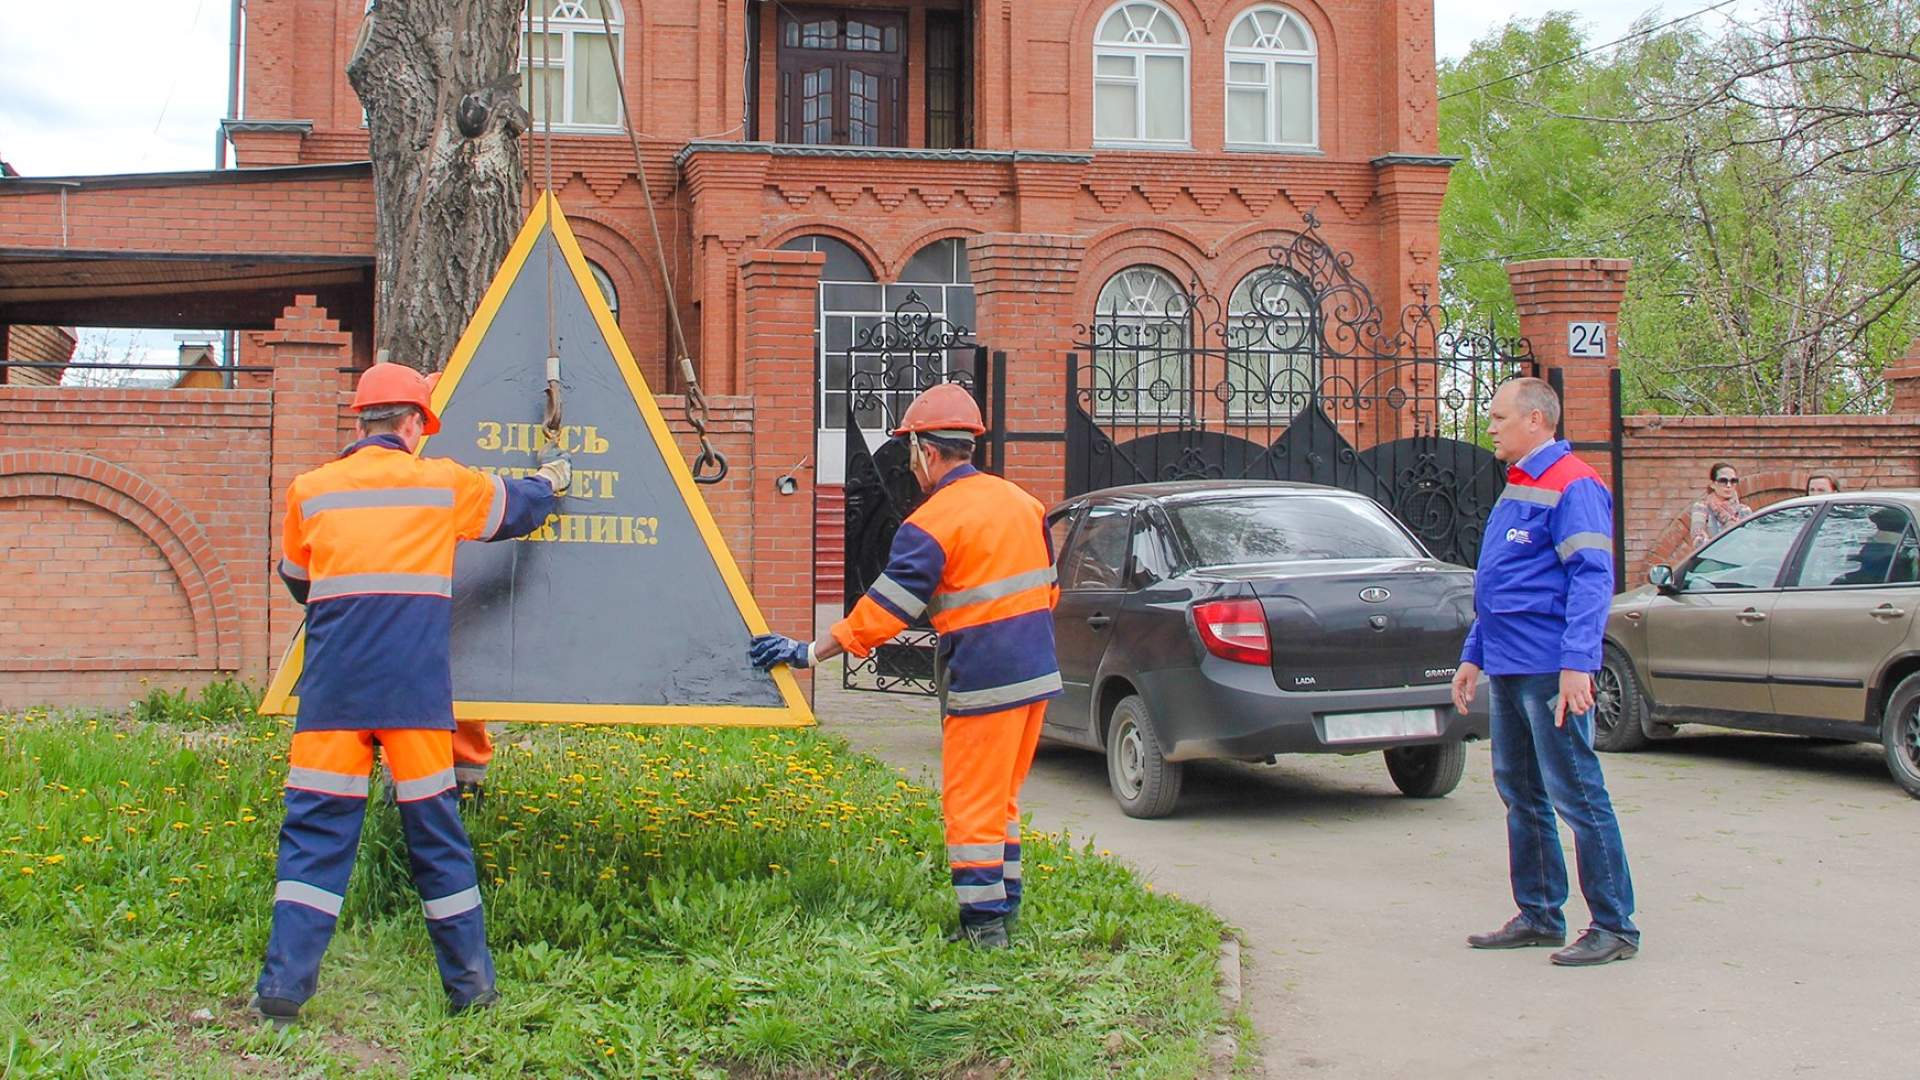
1140, 77
563, 47
1273, 79
1142, 333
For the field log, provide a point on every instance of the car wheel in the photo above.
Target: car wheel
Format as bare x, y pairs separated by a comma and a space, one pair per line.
1619, 709
1145, 783
1900, 734
1427, 772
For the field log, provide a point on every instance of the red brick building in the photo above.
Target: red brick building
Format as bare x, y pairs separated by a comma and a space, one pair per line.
1024, 166
1017, 155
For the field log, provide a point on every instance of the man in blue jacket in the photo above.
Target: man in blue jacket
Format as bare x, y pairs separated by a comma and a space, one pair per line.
1541, 595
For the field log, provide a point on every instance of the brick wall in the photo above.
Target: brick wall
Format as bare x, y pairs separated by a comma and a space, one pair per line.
1666, 461
40, 344
133, 531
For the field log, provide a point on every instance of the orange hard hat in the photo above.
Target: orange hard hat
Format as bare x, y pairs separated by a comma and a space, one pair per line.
944, 411
396, 384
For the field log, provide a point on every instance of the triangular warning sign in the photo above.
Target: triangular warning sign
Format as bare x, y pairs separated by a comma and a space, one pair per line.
626, 607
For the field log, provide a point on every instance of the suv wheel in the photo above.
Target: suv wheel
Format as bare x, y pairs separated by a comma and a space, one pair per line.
1145, 783
1619, 710
1900, 734
1427, 772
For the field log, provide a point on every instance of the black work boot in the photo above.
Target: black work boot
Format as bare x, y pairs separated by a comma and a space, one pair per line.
485, 999
1595, 946
1517, 934
278, 1010
991, 934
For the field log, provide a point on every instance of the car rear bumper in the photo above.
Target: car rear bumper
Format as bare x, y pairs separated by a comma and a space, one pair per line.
1226, 710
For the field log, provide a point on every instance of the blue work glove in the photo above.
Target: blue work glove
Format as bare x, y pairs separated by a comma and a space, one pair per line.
769, 650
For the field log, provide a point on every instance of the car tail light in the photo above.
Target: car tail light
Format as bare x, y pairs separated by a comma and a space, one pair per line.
1234, 630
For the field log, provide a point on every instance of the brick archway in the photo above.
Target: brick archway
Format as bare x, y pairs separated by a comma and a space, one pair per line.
207, 587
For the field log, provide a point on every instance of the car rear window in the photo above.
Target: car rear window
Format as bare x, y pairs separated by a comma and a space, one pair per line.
1288, 528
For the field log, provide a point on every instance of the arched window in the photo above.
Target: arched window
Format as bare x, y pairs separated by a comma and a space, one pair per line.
563, 48
607, 291
1140, 76
1272, 80
1143, 323
1272, 360
851, 301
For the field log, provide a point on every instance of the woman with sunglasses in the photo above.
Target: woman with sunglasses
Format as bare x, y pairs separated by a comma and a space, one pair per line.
1720, 508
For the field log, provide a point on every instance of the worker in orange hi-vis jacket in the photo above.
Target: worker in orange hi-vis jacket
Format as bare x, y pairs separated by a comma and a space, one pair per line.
977, 559
369, 549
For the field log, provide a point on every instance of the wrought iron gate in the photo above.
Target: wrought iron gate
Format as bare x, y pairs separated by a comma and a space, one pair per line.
888, 364
1296, 376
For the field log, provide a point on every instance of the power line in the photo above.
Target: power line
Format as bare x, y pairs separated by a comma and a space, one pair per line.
1582, 54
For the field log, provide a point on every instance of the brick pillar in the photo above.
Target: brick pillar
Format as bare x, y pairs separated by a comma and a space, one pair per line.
306, 350
778, 293
1903, 382
1024, 288
1409, 190
1553, 294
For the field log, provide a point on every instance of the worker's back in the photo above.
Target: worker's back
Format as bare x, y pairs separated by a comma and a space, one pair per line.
993, 605
372, 537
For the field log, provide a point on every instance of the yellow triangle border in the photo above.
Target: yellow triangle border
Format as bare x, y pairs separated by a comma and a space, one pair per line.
280, 699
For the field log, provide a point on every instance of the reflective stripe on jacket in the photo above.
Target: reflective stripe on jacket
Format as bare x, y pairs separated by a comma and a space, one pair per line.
977, 560
1545, 580
368, 547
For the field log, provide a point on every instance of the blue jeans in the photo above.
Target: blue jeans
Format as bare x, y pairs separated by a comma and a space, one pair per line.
1539, 769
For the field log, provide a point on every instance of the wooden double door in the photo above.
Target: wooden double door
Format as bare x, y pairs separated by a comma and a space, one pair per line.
842, 76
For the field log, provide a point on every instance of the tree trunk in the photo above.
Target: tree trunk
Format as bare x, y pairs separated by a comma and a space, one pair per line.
446, 204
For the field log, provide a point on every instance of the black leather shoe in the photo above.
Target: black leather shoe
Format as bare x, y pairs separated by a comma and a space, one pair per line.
279, 1010
1595, 946
1517, 934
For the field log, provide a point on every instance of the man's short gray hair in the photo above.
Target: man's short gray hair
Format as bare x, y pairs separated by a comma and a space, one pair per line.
384, 416
1537, 395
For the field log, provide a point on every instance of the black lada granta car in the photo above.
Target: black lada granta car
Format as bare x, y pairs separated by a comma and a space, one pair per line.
1242, 620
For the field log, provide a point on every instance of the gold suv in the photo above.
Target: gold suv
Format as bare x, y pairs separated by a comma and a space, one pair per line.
1799, 620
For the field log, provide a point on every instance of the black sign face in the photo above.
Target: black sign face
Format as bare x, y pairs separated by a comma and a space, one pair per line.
624, 606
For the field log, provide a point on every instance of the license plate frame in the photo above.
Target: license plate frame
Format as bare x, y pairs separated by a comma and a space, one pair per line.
1380, 725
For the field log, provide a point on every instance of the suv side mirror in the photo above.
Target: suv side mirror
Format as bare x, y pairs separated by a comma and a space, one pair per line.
1661, 578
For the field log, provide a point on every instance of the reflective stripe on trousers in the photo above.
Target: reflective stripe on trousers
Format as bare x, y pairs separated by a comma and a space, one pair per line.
984, 762
320, 838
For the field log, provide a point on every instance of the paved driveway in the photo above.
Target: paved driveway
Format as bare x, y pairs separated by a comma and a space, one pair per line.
1779, 892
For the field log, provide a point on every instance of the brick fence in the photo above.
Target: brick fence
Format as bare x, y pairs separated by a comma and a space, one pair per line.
1666, 461
138, 527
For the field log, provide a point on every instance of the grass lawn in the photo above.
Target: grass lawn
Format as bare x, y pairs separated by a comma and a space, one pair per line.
660, 902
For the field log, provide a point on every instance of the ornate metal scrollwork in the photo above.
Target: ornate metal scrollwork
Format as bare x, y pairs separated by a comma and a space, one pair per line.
1282, 379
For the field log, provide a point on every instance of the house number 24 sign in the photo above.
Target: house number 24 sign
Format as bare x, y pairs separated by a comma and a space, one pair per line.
1587, 339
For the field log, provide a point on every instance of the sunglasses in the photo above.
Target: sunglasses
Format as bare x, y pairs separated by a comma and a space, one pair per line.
1726, 480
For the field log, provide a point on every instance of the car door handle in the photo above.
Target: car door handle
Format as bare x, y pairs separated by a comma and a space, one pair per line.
1750, 616
1099, 622
1888, 611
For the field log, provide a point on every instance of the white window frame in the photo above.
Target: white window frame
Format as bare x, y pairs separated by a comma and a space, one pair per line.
1141, 309
1271, 59
568, 28
1248, 307
1138, 54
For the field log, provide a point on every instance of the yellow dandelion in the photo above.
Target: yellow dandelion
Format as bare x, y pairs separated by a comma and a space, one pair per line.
54, 860
27, 870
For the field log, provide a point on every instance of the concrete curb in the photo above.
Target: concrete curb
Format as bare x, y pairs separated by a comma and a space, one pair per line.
1225, 1047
